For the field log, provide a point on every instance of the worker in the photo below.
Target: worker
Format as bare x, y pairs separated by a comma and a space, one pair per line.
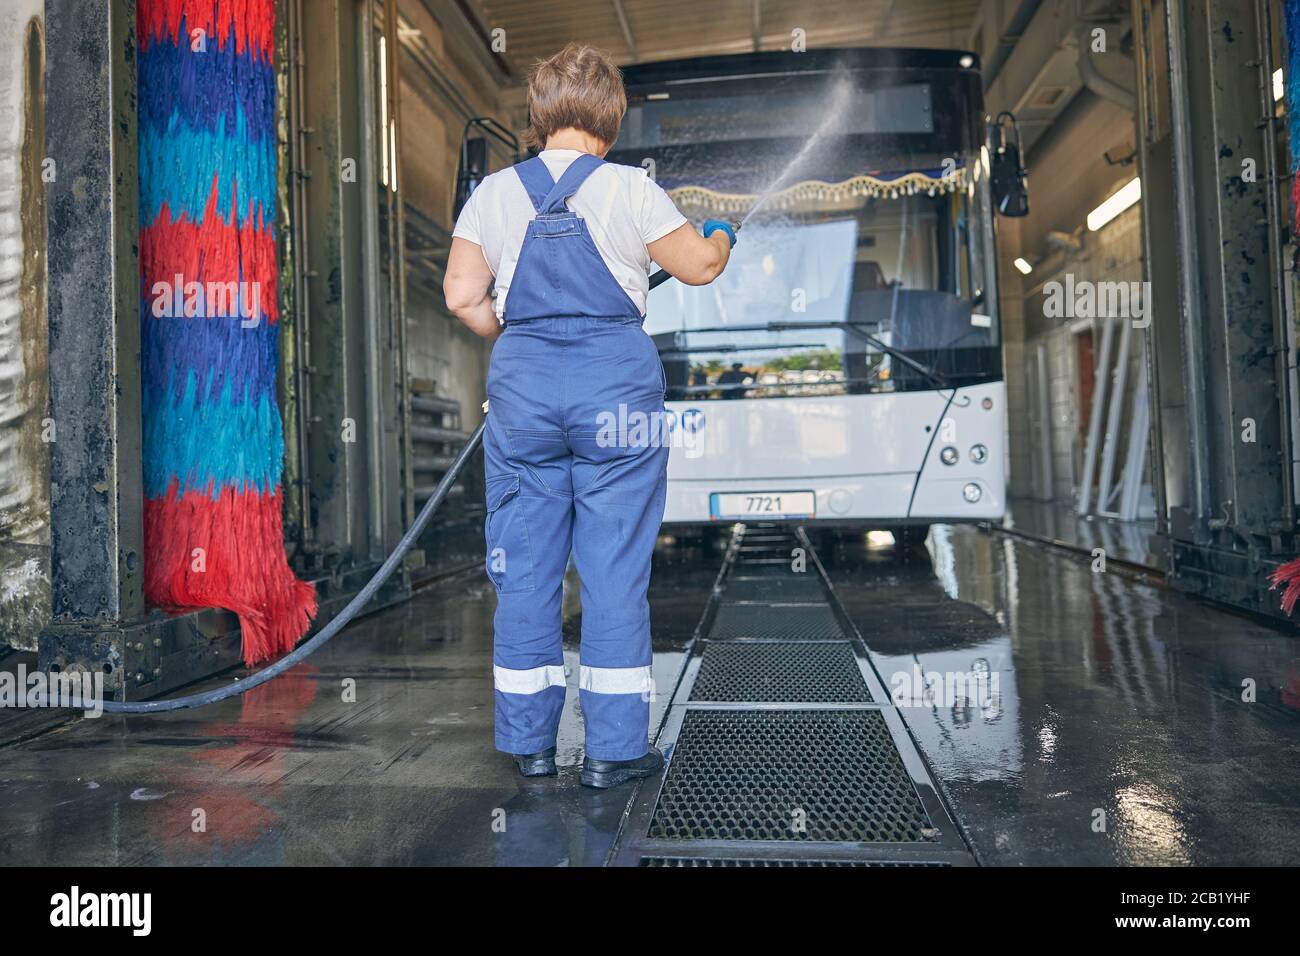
736, 377
565, 241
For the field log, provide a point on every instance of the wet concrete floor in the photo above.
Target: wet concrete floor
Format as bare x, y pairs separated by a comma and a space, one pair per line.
1117, 703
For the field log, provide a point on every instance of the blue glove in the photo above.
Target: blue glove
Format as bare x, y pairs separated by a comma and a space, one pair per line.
714, 225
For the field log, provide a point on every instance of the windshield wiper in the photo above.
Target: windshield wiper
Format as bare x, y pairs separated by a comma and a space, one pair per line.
757, 347
772, 327
689, 390
857, 327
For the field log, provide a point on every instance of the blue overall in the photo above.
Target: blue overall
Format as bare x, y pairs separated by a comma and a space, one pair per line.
569, 472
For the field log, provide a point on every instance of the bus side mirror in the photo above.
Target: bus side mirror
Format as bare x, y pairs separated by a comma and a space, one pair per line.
1007, 175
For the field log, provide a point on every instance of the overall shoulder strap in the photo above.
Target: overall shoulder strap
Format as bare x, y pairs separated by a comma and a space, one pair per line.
536, 179
573, 177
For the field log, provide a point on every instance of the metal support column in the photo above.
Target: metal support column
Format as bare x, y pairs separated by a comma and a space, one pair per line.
295, 310
1159, 262
1190, 304
373, 158
1281, 269
94, 312
333, 288
399, 479
1222, 403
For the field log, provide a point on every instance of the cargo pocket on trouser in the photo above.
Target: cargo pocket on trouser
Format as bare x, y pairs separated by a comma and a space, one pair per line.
657, 362
509, 552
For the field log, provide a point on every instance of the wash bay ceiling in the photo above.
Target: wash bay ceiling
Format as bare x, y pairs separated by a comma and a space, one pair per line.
642, 31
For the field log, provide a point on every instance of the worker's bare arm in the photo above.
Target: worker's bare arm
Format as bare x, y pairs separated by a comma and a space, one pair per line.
467, 288
689, 257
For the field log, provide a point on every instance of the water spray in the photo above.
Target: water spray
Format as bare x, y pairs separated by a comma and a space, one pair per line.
841, 91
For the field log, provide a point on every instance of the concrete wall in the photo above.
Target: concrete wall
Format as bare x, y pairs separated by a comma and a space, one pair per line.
1113, 254
1069, 175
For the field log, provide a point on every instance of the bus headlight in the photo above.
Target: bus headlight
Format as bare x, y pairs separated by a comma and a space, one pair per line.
972, 492
979, 454
949, 455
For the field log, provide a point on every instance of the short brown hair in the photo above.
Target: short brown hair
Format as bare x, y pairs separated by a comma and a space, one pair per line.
579, 87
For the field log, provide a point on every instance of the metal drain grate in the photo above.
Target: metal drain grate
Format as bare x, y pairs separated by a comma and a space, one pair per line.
788, 775
695, 861
780, 672
796, 587
789, 622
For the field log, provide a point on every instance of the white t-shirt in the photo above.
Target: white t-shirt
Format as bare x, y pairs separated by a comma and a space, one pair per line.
624, 210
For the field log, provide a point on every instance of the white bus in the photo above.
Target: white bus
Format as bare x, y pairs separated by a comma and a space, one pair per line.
846, 368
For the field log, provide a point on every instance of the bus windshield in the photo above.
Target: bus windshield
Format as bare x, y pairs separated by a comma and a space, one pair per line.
866, 269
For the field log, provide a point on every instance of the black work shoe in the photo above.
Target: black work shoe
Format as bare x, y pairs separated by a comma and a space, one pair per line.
536, 765
610, 773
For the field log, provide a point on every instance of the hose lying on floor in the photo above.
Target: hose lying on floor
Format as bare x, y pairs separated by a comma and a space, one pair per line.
344, 617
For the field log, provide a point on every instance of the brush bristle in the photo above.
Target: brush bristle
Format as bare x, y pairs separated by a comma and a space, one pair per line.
1288, 574
213, 439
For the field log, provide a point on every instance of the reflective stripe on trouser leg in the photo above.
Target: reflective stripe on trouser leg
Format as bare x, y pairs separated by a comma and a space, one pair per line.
527, 529
616, 710
528, 707
616, 521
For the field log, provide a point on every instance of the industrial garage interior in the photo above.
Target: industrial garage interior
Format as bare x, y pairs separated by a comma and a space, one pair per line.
981, 498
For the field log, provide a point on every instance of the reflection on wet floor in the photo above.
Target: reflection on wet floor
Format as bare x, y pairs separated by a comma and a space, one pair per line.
1118, 703
397, 768
1135, 542
1115, 701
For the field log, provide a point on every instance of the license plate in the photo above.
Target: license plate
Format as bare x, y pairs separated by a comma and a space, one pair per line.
763, 504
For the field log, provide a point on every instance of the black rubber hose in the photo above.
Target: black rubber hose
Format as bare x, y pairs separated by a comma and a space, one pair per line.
341, 621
